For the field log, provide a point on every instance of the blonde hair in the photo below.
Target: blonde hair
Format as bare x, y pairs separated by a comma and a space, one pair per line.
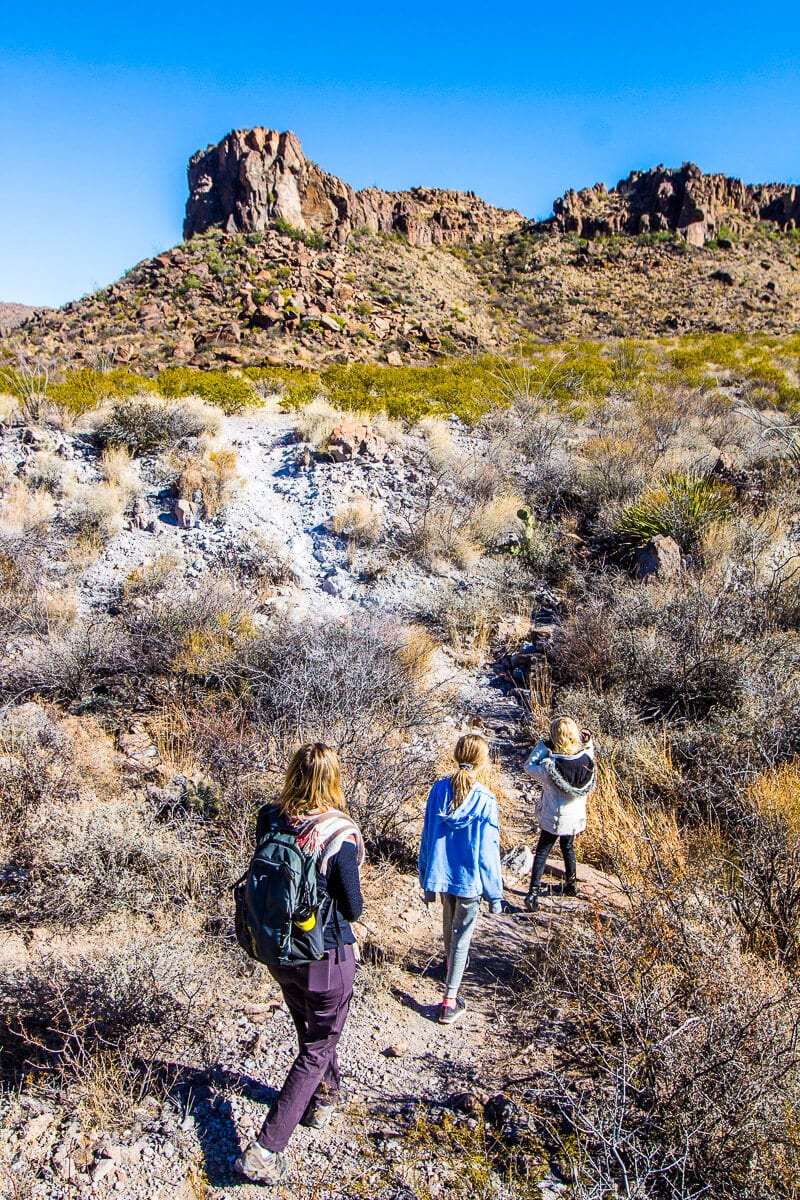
472, 755
313, 780
566, 736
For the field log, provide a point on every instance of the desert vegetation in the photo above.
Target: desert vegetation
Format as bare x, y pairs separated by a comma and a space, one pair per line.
620, 517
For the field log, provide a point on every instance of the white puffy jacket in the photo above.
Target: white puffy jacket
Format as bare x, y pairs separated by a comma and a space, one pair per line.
561, 808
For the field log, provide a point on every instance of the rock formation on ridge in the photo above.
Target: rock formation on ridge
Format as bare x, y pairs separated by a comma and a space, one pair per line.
684, 201
12, 315
255, 177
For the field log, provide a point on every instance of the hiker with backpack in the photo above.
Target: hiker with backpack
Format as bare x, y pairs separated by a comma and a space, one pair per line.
459, 858
566, 769
294, 908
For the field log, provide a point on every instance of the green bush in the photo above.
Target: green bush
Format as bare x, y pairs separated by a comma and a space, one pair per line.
231, 393
465, 389
681, 507
88, 388
296, 385
315, 240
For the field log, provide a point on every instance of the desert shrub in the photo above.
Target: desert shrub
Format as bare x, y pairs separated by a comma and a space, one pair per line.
45, 470
23, 510
79, 665
264, 562
88, 388
297, 386
359, 520
686, 1052
466, 1158
587, 650
465, 506
469, 615
94, 512
356, 687
150, 578
311, 238
465, 389
28, 602
615, 470
143, 423
119, 473
188, 632
121, 856
28, 380
633, 811
9, 408
109, 1015
212, 474
35, 769
316, 420
765, 862
681, 507
229, 392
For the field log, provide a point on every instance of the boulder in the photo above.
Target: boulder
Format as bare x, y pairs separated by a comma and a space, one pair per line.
141, 514
353, 439
661, 557
185, 513
518, 861
338, 584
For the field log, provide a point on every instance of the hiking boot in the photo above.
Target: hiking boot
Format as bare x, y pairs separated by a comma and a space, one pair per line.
449, 1013
318, 1114
570, 887
260, 1165
531, 902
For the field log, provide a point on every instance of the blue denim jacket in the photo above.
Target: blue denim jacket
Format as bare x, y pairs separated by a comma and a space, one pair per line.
460, 850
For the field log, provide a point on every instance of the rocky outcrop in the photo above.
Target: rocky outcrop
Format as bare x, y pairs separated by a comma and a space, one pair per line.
13, 315
256, 177
682, 201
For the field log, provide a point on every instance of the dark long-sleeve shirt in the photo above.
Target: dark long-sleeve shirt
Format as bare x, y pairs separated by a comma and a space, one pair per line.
340, 881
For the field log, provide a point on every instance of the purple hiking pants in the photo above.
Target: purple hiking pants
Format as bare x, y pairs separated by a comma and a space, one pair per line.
318, 997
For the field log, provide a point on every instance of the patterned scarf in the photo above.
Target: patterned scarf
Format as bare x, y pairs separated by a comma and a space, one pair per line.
321, 836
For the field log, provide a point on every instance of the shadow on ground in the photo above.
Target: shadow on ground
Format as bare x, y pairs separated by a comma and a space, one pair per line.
200, 1093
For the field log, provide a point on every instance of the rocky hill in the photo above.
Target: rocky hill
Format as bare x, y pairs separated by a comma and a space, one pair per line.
697, 206
256, 177
284, 262
12, 315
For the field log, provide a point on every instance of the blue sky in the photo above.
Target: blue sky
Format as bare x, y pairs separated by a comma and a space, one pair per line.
101, 108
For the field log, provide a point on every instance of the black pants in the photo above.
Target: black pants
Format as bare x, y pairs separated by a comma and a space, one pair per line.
545, 845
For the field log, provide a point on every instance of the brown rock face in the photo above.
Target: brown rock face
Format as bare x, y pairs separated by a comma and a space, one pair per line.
255, 177
684, 201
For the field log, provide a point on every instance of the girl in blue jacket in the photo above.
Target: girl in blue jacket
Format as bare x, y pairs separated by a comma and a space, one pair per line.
459, 858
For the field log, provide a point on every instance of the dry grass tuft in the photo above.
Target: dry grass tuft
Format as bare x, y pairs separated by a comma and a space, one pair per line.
359, 520
23, 510
9, 408
116, 465
95, 512
776, 794
497, 522
316, 421
625, 828
212, 473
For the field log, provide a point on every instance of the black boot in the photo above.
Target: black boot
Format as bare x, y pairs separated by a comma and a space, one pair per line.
570, 887
531, 901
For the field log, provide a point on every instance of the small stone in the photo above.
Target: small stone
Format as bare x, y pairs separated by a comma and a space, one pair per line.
396, 1050
660, 557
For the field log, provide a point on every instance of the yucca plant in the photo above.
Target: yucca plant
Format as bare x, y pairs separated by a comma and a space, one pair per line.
680, 506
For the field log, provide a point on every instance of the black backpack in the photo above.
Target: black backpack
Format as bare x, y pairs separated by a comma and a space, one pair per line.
278, 917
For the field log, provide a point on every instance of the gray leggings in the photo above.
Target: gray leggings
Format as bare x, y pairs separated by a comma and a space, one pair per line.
459, 914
